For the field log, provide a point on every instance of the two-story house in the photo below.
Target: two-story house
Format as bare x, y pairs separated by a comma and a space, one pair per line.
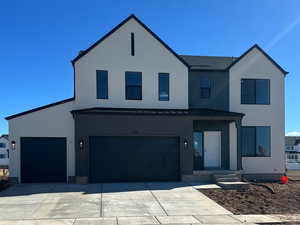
4, 152
141, 112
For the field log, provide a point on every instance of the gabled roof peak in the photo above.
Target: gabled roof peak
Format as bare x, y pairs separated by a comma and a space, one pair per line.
264, 53
132, 16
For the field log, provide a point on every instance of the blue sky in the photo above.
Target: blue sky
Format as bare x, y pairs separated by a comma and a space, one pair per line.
39, 38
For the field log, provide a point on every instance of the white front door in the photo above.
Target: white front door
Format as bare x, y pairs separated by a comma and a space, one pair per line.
212, 149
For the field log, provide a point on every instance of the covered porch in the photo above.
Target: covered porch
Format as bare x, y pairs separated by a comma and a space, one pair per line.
216, 146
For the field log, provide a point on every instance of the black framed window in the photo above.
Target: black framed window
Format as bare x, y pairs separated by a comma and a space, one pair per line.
256, 141
133, 84
102, 84
255, 91
205, 88
163, 86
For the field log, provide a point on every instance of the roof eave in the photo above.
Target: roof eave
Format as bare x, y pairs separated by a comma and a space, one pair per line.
39, 108
264, 53
132, 16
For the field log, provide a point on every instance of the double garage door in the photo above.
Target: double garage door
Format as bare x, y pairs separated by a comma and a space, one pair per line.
111, 159
117, 159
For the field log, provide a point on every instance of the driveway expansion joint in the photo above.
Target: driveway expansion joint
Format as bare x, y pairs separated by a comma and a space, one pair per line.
149, 189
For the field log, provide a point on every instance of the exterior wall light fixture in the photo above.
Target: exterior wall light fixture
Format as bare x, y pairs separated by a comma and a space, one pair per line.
81, 144
13, 145
185, 143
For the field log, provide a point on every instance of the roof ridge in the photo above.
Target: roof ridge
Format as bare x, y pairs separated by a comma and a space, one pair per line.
210, 56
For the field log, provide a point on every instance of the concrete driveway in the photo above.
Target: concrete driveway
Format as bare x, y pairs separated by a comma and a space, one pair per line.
122, 203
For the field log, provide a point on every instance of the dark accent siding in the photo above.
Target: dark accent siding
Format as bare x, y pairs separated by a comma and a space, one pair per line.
87, 125
223, 126
219, 91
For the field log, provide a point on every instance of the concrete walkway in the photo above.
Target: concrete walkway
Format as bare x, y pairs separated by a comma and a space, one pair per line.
110, 204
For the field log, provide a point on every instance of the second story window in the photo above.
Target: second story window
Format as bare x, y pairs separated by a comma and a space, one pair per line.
205, 88
163, 86
133, 84
102, 84
255, 91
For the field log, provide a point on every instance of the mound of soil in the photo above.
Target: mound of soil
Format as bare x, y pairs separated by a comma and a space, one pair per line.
259, 200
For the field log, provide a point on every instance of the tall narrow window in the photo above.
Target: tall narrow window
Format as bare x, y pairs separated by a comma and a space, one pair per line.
205, 87
132, 44
163, 86
102, 84
133, 85
255, 91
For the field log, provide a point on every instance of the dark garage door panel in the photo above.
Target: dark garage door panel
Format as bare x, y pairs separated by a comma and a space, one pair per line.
117, 159
43, 159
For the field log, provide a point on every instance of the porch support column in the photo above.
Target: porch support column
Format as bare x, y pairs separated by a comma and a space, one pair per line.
238, 124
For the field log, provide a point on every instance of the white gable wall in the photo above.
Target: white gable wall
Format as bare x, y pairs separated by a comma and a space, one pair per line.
114, 55
256, 65
55, 121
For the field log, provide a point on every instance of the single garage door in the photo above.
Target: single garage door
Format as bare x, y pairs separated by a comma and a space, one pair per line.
121, 159
43, 160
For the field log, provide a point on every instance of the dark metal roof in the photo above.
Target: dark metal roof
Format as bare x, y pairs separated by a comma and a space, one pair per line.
4, 136
208, 62
169, 112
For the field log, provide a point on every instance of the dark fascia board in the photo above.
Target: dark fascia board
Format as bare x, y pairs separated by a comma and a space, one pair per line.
188, 112
132, 16
40, 108
264, 53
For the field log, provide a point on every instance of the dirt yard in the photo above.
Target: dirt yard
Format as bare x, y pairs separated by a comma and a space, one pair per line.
259, 200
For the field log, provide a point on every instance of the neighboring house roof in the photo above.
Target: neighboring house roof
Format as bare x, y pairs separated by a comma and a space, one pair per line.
168, 112
39, 108
264, 53
208, 62
291, 140
132, 16
4, 136
292, 152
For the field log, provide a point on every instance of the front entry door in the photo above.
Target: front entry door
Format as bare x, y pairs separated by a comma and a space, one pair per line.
212, 149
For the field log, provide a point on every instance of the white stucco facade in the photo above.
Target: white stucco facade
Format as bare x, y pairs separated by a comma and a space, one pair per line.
233, 146
114, 55
55, 121
255, 65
